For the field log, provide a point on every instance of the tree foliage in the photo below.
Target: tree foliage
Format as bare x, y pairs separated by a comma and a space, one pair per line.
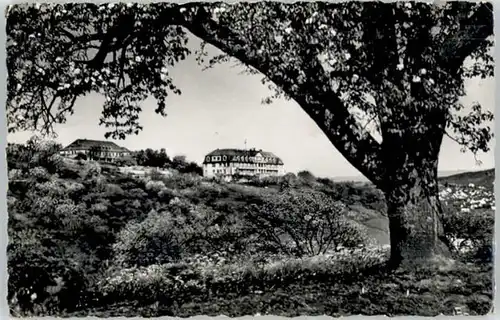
396, 64
383, 81
160, 159
152, 158
36, 152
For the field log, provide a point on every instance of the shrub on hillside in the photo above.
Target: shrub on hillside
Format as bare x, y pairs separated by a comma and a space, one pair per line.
151, 241
152, 158
36, 153
45, 221
113, 191
126, 161
261, 182
182, 181
306, 178
210, 231
91, 169
304, 223
155, 186
191, 167
166, 195
287, 181
39, 173
208, 193
42, 278
470, 232
69, 170
153, 174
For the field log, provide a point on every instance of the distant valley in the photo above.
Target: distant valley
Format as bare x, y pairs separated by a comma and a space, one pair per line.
480, 174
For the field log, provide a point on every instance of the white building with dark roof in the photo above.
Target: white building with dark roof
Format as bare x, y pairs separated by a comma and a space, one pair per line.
227, 163
95, 149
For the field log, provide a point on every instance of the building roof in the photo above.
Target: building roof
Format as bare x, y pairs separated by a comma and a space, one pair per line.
86, 144
231, 153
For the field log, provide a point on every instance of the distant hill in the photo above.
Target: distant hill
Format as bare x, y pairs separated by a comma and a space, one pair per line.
447, 173
480, 178
483, 178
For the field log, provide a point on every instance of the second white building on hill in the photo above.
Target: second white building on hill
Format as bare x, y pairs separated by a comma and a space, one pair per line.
228, 163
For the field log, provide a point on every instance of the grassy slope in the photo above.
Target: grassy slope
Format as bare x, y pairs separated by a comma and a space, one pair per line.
376, 222
385, 294
426, 294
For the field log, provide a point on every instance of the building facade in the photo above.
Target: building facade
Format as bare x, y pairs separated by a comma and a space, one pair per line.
227, 163
96, 150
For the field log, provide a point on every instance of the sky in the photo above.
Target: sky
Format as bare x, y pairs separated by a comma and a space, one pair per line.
221, 108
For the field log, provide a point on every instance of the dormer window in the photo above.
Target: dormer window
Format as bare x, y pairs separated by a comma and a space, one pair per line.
224, 158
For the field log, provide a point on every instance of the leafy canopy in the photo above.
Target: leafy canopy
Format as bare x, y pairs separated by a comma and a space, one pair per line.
363, 72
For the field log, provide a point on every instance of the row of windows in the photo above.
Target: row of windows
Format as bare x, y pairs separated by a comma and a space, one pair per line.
240, 158
243, 165
225, 171
257, 170
109, 154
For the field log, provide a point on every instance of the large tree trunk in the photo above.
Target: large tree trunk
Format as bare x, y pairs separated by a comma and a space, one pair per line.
412, 195
414, 211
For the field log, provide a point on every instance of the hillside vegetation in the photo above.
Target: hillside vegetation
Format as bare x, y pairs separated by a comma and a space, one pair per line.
90, 240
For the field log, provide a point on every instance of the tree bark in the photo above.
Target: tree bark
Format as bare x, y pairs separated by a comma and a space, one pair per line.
412, 196
416, 232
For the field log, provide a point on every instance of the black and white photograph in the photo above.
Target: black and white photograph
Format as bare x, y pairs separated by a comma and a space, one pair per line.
250, 158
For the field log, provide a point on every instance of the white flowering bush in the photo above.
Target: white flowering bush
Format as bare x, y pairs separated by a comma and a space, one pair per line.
305, 223
39, 173
469, 219
73, 188
52, 189
91, 169
44, 153
15, 174
155, 185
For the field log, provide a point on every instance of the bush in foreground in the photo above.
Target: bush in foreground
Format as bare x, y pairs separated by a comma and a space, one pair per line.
469, 221
344, 283
305, 223
186, 280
